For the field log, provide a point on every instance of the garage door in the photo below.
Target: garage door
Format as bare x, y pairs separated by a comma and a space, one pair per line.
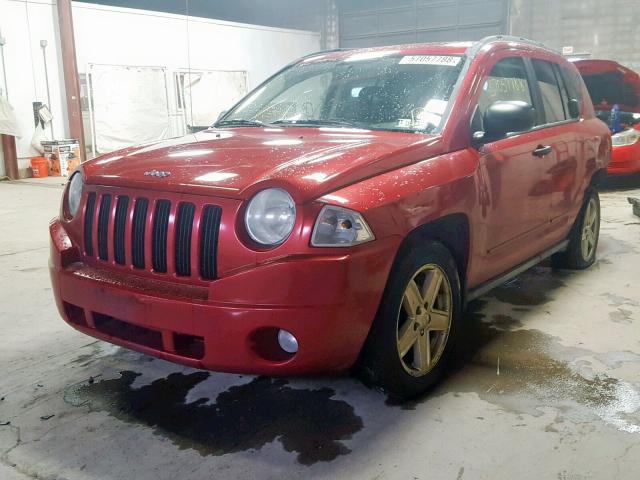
367, 23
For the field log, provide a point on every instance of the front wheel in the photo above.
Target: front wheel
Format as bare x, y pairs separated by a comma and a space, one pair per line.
583, 240
413, 334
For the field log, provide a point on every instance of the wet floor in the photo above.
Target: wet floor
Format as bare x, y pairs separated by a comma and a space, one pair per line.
547, 367
515, 368
307, 422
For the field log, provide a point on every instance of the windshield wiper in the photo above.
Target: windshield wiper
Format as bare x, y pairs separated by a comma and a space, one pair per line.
240, 122
317, 123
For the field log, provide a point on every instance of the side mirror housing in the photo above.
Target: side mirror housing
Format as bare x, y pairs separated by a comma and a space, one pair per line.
503, 118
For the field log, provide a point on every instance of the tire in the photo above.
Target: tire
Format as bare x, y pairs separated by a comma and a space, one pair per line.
583, 239
420, 270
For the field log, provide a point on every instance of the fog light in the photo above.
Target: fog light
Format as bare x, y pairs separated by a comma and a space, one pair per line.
287, 341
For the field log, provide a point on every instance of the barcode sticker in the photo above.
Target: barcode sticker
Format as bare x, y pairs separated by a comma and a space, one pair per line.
447, 60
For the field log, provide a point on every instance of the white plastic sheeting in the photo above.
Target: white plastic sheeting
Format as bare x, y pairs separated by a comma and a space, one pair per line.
8, 120
207, 93
129, 106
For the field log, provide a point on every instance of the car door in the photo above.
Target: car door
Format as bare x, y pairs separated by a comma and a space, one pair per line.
516, 204
560, 178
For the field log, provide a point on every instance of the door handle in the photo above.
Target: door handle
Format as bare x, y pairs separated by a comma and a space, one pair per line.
542, 150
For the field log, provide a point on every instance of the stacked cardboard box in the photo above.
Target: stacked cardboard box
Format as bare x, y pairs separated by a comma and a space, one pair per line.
63, 156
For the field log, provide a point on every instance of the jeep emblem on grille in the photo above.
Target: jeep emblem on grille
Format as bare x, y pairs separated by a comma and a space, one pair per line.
156, 173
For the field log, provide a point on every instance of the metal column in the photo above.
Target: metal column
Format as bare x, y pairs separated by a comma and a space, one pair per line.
10, 156
70, 69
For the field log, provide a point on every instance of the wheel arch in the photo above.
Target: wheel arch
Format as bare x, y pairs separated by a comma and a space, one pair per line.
452, 231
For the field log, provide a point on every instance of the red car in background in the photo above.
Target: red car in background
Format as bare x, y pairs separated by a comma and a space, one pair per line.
341, 214
609, 84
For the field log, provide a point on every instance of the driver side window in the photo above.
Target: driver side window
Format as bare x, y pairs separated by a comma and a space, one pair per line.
506, 82
299, 102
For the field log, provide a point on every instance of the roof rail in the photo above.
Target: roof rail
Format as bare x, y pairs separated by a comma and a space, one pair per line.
475, 48
322, 52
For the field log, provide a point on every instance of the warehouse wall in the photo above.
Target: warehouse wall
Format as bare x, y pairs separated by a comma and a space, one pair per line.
311, 15
365, 23
594, 28
296, 14
120, 36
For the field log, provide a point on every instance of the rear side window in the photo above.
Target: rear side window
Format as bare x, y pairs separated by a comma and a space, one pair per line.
554, 107
573, 83
506, 82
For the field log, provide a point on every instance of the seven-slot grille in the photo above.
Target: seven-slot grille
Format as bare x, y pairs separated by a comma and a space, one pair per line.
183, 236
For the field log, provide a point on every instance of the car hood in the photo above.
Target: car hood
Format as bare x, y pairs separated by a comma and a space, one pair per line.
308, 162
610, 83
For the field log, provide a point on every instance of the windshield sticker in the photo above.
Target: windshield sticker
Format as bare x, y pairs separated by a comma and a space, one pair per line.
435, 105
446, 60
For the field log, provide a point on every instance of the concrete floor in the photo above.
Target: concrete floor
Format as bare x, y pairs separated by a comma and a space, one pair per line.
548, 386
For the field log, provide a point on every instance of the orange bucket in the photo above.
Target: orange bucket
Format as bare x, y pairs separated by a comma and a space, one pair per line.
40, 167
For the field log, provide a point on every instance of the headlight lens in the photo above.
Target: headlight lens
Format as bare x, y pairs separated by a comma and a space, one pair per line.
628, 137
270, 216
340, 227
74, 195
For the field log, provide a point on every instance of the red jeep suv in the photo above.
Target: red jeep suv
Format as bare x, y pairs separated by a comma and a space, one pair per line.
341, 214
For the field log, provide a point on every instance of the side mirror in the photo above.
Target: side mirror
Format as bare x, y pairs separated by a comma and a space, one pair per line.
502, 118
574, 108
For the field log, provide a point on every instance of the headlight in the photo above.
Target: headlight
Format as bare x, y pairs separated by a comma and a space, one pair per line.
75, 193
628, 137
270, 216
340, 227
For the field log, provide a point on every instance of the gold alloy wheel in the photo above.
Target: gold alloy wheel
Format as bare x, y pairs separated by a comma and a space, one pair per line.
424, 320
589, 230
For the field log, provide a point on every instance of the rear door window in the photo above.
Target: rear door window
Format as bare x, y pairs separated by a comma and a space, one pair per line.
554, 107
573, 84
563, 90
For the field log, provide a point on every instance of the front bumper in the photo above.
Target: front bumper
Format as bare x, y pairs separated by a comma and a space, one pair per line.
625, 159
327, 301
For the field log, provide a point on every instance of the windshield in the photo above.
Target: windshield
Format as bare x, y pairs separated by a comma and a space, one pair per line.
394, 92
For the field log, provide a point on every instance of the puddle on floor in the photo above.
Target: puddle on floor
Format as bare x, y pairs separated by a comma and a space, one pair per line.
622, 316
308, 422
96, 351
617, 300
505, 364
609, 246
534, 287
